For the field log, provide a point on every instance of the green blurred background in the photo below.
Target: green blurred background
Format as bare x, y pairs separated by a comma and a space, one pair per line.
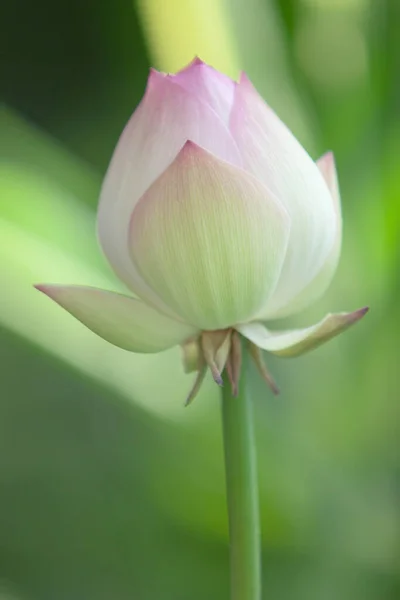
109, 488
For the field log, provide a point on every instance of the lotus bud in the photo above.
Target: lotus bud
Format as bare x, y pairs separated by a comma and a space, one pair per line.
219, 223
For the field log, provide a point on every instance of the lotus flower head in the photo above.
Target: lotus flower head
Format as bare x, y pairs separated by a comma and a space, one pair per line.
218, 221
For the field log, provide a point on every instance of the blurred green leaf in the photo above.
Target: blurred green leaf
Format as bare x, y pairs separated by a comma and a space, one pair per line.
48, 235
25, 144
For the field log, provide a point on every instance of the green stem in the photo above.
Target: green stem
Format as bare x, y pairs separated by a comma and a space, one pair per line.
242, 491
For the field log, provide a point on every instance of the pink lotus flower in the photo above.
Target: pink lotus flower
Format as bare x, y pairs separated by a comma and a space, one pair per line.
218, 220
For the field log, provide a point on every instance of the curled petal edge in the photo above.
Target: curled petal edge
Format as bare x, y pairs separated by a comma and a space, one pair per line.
295, 342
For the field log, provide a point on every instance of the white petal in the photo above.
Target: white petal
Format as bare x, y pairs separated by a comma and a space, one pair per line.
321, 281
209, 240
125, 322
167, 116
208, 85
297, 341
275, 157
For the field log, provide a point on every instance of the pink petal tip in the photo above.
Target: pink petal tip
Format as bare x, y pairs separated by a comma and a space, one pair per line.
329, 158
154, 77
244, 79
40, 287
190, 149
358, 314
47, 289
193, 63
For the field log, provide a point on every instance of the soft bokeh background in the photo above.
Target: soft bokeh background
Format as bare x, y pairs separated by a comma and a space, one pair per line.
108, 487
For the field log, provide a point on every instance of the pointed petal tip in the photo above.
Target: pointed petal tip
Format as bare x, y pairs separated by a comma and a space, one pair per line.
196, 386
358, 314
246, 89
218, 379
190, 149
189, 398
196, 62
274, 388
44, 288
328, 155
216, 374
190, 146
154, 73
327, 160
353, 317
153, 78
244, 79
